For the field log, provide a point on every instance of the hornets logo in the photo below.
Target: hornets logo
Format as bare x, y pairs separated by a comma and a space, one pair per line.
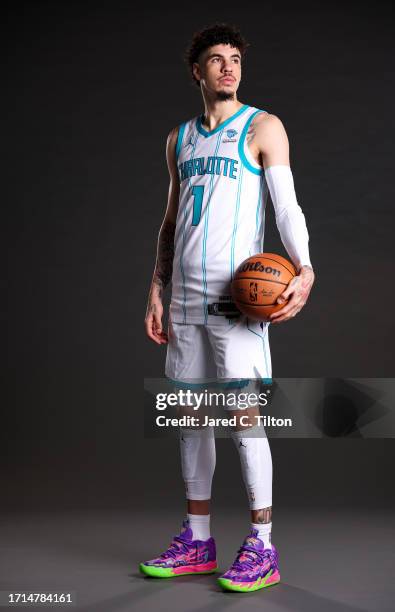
230, 136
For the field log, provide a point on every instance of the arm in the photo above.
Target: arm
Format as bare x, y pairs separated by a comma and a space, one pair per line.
268, 139
165, 249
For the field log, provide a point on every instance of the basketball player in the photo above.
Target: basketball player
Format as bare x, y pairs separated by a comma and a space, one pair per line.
222, 166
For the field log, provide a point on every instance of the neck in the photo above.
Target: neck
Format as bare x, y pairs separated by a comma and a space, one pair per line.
218, 111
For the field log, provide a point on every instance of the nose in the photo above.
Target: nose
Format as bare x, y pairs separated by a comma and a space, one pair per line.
227, 66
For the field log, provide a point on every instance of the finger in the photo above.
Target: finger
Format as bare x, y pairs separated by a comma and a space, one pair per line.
289, 290
163, 337
294, 302
154, 337
148, 326
158, 323
282, 319
286, 294
292, 296
286, 311
282, 298
287, 316
150, 330
160, 333
281, 312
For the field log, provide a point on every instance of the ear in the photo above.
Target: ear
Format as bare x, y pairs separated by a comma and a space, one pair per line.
196, 71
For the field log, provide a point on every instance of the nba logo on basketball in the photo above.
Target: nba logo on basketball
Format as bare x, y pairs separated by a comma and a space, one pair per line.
253, 292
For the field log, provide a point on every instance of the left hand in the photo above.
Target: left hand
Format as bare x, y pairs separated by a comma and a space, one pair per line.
298, 291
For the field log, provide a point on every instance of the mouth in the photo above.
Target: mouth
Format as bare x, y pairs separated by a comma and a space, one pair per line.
227, 80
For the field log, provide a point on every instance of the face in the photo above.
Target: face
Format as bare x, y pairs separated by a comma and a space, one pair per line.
219, 70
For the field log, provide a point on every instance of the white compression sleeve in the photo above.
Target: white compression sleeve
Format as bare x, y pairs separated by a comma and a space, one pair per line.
256, 465
198, 458
290, 219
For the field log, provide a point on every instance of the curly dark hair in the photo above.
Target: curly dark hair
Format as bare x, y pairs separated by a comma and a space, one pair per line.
217, 34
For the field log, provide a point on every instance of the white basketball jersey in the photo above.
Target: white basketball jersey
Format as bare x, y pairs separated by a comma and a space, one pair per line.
221, 214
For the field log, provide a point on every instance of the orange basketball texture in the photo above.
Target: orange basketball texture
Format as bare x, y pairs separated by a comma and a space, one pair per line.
258, 282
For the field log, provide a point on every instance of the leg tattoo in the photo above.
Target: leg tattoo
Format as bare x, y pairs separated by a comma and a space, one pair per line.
263, 515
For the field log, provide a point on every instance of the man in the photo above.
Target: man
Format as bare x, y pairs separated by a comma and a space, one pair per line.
222, 165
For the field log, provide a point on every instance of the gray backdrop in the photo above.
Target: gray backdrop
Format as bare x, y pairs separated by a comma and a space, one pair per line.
93, 92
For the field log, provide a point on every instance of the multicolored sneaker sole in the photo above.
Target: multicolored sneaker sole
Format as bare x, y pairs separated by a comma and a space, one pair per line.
254, 567
182, 570
184, 556
270, 579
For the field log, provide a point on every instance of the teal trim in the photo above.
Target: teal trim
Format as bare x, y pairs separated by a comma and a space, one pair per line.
184, 302
265, 194
235, 384
185, 385
242, 138
232, 248
265, 350
263, 338
258, 208
180, 138
206, 216
259, 222
221, 126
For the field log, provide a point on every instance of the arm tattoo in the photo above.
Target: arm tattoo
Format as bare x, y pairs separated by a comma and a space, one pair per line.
252, 129
264, 515
251, 133
164, 259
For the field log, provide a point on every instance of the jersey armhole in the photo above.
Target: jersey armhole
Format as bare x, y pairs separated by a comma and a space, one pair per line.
180, 137
247, 160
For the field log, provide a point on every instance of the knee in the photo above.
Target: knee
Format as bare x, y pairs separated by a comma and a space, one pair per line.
255, 455
198, 459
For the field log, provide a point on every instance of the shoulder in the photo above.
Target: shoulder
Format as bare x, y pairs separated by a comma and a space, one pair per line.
173, 136
176, 135
171, 142
267, 131
171, 150
267, 122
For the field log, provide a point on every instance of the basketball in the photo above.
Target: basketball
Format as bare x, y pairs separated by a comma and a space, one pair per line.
258, 282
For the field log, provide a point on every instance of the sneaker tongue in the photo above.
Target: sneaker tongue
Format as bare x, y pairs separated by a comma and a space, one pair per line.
253, 541
186, 531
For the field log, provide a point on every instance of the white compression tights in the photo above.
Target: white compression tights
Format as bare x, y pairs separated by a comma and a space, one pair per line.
198, 458
256, 465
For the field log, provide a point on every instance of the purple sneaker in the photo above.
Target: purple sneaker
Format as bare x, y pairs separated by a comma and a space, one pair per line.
184, 556
254, 567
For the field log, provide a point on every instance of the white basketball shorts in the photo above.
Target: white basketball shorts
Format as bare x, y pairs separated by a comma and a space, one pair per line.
201, 354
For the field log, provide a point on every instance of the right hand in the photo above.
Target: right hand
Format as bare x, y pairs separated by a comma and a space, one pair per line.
153, 322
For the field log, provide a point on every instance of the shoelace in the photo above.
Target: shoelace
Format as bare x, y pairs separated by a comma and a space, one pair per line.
174, 548
251, 558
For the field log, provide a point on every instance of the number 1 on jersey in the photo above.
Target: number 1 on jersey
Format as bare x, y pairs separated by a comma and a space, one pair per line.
197, 192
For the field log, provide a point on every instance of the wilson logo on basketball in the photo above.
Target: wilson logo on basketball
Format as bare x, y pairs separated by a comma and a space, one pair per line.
256, 266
